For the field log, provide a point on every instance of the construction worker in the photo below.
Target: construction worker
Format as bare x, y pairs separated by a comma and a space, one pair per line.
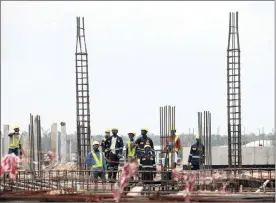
105, 144
96, 160
197, 155
131, 148
147, 164
173, 145
142, 141
15, 142
116, 152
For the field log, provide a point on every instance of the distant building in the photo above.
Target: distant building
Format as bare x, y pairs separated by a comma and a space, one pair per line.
261, 143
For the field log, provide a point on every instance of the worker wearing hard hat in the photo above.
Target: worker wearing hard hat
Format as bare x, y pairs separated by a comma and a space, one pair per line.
142, 141
147, 164
174, 144
197, 154
106, 143
15, 142
131, 148
96, 160
116, 153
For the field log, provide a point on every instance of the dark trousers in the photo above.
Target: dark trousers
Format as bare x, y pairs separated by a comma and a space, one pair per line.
194, 167
15, 151
98, 174
113, 166
148, 175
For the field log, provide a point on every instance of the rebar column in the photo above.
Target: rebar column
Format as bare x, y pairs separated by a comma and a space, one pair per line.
167, 122
234, 94
82, 95
204, 132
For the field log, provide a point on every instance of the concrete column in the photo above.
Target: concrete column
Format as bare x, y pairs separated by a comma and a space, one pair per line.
63, 143
54, 140
5, 140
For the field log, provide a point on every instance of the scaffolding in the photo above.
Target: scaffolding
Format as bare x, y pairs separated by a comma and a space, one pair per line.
82, 94
234, 94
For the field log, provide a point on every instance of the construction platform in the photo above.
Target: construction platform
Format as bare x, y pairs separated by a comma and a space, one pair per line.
223, 185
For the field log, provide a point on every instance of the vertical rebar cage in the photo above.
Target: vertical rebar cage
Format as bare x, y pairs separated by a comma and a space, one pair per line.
167, 122
234, 93
82, 94
204, 132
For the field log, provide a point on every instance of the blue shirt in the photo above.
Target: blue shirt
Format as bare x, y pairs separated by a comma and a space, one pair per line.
90, 161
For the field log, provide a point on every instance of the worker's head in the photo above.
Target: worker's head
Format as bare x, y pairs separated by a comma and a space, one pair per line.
147, 148
131, 135
173, 131
107, 132
197, 139
16, 128
114, 131
144, 132
96, 145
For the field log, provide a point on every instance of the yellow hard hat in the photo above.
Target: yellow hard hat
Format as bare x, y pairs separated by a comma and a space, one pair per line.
144, 129
173, 128
147, 145
96, 143
133, 133
107, 131
113, 129
197, 137
15, 127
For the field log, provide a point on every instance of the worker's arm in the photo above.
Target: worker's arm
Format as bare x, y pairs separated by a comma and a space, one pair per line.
104, 162
151, 144
137, 141
121, 146
127, 150
190, 156
89, 159
11, 134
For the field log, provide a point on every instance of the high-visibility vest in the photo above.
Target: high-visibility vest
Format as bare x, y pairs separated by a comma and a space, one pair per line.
175, 140
14, 142
131, 151
99, 163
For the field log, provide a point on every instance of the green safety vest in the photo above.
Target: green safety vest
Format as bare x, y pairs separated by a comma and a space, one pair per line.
14, 142
131, 152
99, 163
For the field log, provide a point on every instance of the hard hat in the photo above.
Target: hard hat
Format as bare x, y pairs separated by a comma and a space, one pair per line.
147, 145
144, 129
197, 137
107, 131
15, 127
96, 143
133, 133
113, 129
173, 128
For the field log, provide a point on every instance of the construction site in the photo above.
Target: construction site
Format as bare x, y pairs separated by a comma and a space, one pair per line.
52, 176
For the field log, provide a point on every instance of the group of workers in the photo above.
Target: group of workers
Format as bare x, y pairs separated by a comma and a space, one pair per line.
140, 151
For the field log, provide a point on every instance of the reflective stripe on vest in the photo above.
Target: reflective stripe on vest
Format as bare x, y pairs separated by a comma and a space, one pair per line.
131, 152
15, 142
99, 163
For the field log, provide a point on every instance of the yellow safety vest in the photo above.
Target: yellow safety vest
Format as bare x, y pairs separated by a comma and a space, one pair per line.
14, 142
131, 152
99, 163
175, 140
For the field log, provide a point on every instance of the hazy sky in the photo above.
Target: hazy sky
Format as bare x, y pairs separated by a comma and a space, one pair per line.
142, 55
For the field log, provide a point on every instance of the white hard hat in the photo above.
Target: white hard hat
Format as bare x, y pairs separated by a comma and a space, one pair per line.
96, 143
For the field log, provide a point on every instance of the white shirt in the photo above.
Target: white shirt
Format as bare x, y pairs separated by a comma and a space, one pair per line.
113, 144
